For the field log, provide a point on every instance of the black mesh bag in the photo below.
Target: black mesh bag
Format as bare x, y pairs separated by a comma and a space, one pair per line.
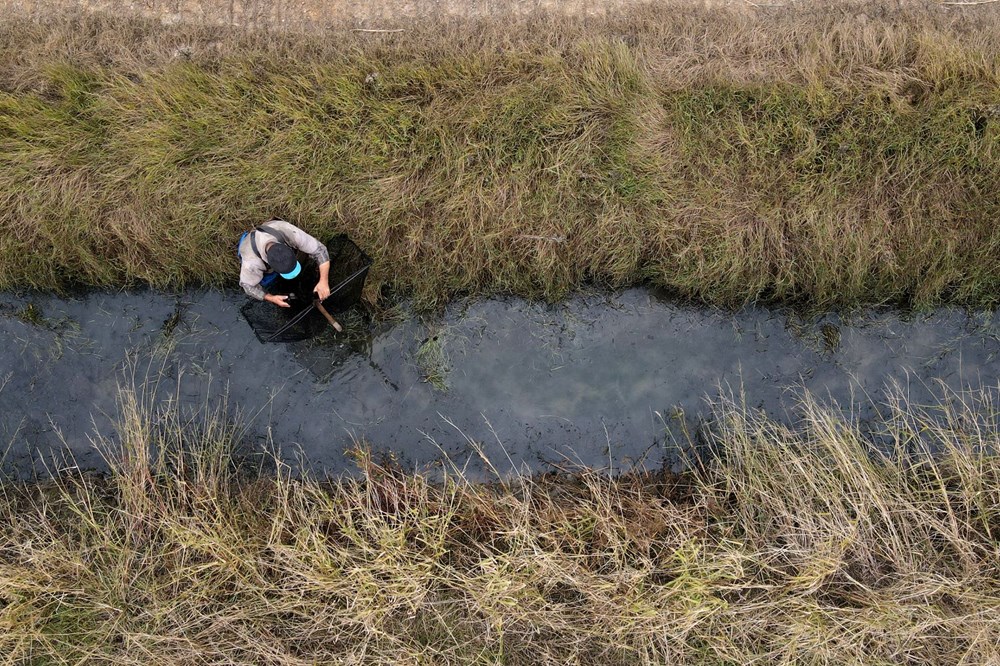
270, 323
348, 270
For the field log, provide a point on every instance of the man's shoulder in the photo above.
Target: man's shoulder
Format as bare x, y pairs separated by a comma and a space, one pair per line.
298, 237
281, 225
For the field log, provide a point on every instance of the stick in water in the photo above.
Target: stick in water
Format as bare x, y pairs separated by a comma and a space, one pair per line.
333, 322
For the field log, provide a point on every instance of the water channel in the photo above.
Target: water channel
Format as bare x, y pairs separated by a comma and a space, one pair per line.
596, 380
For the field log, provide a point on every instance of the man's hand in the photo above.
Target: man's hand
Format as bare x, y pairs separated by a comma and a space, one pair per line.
322, 290
280, 301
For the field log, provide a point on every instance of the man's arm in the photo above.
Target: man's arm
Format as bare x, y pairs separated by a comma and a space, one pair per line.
250, 277
316, 250
250, 281
322, 289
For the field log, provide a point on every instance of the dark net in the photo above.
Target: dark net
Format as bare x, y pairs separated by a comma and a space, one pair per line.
348, 269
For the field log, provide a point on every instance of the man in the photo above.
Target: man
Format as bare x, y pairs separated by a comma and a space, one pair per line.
270, 251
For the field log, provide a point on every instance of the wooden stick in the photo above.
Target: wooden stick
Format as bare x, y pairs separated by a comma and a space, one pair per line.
333, 322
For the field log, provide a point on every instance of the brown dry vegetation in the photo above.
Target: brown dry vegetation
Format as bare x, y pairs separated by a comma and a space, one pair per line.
311, 15
796, 545
820, 154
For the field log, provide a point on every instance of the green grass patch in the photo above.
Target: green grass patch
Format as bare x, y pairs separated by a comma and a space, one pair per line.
844, 159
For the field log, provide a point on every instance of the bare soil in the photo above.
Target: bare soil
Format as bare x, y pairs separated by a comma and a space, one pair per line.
313, 14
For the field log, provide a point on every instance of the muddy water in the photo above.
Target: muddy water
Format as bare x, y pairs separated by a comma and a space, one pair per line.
597, 380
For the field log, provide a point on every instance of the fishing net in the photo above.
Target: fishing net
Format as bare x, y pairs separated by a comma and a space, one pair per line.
348, 270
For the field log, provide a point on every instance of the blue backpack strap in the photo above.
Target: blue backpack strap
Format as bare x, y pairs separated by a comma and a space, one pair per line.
240, 242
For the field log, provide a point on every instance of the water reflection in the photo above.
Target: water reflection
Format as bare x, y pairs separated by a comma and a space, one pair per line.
593, 380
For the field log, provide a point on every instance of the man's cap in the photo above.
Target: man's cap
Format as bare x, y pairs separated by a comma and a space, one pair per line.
282, 261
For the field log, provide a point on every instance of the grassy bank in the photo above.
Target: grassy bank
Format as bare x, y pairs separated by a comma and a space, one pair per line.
792, 546
822, 155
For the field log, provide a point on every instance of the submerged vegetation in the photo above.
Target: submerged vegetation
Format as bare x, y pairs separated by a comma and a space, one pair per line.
781, 544
826, 155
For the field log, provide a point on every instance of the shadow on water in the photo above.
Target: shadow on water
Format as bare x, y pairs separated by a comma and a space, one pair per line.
605, 379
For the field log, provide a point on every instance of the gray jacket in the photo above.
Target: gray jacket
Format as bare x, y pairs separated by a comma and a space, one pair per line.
253, 269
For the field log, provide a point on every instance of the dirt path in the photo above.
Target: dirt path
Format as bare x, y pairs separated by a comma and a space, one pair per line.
311, 14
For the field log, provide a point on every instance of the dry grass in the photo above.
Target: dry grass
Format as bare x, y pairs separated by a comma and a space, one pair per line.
826, 155
792, 545
313, 15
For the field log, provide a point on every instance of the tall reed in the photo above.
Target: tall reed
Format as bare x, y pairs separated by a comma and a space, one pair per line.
790, 544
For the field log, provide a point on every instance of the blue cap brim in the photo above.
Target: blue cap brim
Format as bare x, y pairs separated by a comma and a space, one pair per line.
292, 273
